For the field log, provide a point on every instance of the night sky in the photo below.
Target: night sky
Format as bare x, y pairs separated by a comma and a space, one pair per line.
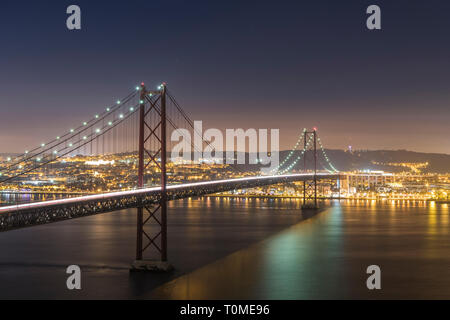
250, 64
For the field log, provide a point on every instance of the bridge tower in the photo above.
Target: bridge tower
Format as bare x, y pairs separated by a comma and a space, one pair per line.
310, 163
152, 105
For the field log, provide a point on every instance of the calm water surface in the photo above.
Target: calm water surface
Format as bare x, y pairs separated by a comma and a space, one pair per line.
236, 248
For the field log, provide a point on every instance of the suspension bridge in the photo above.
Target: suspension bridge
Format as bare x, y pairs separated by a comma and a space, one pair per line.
120, 157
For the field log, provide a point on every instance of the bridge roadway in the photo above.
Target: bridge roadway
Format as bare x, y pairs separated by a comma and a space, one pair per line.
32, 214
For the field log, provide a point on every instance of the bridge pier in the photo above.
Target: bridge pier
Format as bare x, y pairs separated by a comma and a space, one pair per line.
310, 205
150, 266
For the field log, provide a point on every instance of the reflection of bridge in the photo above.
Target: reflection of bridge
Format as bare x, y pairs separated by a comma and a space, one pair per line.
141, 120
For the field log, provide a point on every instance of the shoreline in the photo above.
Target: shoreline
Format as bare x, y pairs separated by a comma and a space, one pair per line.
322, 198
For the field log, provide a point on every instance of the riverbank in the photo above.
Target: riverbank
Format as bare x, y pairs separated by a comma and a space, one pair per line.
300, 198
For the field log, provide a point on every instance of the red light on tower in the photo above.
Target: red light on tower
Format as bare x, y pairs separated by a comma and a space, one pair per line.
315, 128
142, 84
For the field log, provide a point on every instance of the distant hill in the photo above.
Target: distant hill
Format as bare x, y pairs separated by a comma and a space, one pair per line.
387, 160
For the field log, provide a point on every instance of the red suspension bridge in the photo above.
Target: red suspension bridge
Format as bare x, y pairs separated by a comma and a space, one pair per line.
136, 128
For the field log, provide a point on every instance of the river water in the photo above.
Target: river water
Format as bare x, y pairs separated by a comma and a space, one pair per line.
228, 248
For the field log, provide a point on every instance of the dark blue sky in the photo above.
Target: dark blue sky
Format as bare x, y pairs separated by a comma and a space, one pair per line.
260, 64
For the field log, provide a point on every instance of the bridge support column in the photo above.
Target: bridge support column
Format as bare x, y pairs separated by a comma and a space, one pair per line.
154, 216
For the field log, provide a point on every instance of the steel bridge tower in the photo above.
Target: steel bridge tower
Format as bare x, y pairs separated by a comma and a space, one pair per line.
310, 160
152, 105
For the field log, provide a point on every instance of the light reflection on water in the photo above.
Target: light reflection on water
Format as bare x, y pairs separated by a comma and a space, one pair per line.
8, 199
327, 256
200, 231
215, 245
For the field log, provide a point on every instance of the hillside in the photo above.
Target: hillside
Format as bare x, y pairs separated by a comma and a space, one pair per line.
388, 160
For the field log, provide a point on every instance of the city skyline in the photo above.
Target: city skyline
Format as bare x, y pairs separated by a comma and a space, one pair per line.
234, 65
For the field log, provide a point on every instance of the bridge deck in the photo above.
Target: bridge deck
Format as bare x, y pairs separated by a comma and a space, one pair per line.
23, 215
